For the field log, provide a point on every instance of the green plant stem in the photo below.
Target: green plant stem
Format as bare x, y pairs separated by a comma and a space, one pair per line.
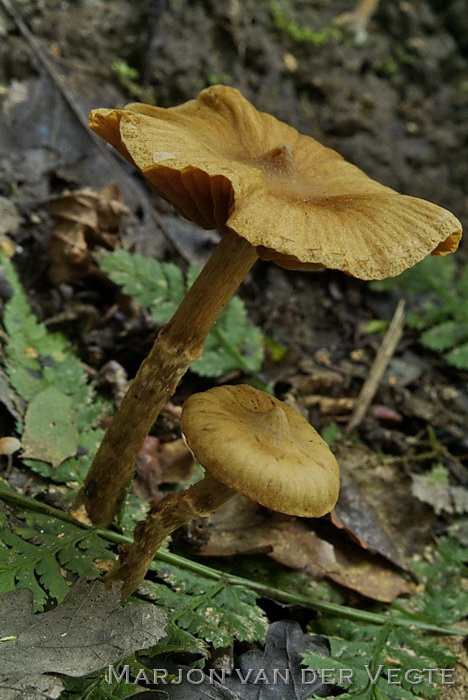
213, 574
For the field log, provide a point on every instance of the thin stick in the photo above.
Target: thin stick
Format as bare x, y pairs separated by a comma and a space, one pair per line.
178, 344
380, 364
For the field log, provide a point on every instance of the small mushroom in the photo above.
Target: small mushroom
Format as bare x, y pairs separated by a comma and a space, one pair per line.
248, 442
272, 193
8, 446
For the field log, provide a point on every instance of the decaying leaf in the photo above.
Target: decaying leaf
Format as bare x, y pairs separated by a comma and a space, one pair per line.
83, 220
161, 463
50, 431
9, 220
434, 488
274, 673
85, 633
360, 520
377, 507
330, 406
45, 687
242, 527
284, 645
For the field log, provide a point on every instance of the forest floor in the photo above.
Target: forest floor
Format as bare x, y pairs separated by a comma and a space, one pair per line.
392, 97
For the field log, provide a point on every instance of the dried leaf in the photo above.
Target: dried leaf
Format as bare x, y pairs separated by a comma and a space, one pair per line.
242, 527
85, 633
83, 220
9, 218
393, 527
434, 488
32, 688
161, 463
330, 406
274, 673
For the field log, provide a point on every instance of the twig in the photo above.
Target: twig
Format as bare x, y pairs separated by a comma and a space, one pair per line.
113, 158
380, 364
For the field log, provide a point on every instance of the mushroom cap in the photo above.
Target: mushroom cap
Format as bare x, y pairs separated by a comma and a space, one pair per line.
9, 445
222, 163
263, 448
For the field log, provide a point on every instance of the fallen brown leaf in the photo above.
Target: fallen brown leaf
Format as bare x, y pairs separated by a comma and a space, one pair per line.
83, 220
242, 527
376, 507
161, 463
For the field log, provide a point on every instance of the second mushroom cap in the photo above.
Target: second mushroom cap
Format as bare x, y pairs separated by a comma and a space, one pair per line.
262, 448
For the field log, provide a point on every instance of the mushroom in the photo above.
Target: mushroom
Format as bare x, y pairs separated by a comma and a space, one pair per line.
272, 193
248, 442
8, 446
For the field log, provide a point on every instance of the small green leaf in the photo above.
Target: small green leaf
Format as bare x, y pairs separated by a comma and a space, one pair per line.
160, 287
459, 357
38, 363
438, 301
375, 326
445, 336
331, 433
50, 432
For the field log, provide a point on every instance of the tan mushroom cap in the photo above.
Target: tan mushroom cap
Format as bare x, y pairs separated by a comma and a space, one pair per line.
262, 448
222, 163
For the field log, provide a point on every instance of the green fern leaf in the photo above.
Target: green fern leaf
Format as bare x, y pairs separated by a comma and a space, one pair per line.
37, 362
157, 286
427, 314
433, 274
381, 663
438, 305
444, 599
208, 610
233, 344
36, 549
387, 662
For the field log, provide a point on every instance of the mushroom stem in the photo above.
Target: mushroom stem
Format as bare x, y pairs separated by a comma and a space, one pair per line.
178, 344
198, 501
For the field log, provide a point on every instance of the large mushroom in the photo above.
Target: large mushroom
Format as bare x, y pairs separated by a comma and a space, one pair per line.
272, 193
250, 443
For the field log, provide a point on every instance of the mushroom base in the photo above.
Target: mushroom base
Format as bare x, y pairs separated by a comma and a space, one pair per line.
199, 501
